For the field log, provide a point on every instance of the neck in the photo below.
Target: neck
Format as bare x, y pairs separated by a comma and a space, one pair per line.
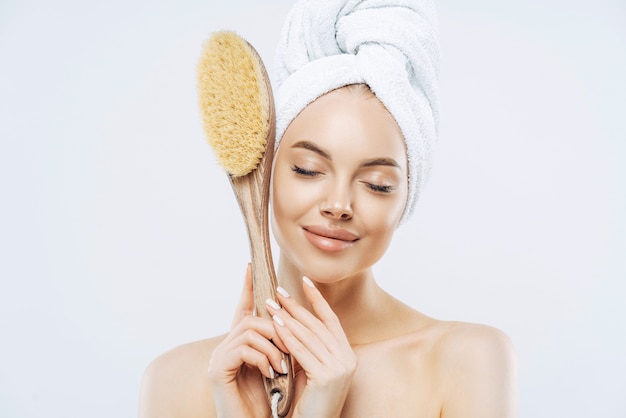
357, 301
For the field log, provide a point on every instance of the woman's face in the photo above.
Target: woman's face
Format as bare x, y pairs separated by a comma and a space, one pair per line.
339, 186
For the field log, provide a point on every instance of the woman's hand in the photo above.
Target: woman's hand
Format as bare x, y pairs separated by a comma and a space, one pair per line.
320, 347
238, 362
251, 350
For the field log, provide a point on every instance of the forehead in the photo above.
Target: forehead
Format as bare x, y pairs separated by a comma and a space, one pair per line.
345, 121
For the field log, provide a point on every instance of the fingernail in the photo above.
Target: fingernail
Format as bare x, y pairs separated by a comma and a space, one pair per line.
308, 281
273, 304
282, 292
278, 320
283, 364
272, 375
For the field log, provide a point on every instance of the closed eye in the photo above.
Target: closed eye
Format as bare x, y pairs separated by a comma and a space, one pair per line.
304, 172
379, 188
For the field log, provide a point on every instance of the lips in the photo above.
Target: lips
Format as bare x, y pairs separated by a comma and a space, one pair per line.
329, 239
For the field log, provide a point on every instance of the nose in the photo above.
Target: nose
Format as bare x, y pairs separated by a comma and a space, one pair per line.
337, 205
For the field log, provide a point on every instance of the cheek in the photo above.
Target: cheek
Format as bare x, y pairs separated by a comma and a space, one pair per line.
384, 223
384, 214
290, 200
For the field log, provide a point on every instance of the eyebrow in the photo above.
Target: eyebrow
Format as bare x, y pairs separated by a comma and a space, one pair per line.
381, 161
367, 163
312, 147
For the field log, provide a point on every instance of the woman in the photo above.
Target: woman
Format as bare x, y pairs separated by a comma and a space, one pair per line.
350, 163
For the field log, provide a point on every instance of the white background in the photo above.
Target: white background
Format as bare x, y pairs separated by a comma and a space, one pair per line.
120, 237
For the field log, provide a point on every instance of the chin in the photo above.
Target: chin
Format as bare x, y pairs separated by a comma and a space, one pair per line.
329, 269
328, 276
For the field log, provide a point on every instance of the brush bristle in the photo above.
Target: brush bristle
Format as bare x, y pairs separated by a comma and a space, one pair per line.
234, 102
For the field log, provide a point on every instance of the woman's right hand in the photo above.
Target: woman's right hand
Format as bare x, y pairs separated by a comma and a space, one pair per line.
240, 361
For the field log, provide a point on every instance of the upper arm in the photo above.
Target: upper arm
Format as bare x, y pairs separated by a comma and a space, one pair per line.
480, 374
156, 397
175, 384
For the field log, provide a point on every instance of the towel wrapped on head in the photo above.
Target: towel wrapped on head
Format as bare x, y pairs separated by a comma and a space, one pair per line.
390, 45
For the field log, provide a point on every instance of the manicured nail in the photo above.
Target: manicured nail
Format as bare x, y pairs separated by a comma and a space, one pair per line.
284, 366
278, 320
272, 375
282, 292
273, 304
308, 281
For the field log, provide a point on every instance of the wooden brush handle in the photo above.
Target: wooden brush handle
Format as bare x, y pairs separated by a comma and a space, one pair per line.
252, 192
249, 196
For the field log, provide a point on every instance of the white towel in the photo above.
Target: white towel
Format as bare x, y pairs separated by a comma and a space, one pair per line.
391, 45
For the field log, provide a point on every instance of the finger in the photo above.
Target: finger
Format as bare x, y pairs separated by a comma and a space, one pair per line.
306, 344
236, 357
245, 306
303, 345
322, 309
262, 326
256, 333
261, 344
328, 330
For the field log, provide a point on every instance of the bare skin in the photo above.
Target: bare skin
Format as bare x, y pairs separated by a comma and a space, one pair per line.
339, 193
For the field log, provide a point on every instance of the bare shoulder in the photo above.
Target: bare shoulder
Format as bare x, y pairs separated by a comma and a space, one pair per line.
477, 367
176, 383
462, 343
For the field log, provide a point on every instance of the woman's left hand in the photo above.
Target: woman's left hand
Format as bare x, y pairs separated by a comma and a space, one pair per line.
319, 345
